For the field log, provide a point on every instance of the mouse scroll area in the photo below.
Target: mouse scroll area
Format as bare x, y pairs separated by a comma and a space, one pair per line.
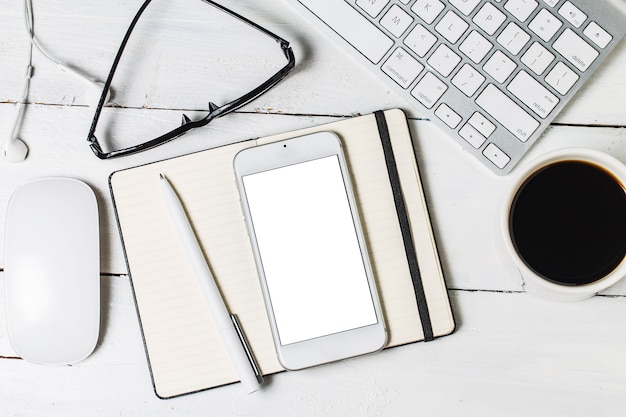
53, 271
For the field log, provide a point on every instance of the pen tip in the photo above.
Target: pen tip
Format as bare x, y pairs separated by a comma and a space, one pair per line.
162, 176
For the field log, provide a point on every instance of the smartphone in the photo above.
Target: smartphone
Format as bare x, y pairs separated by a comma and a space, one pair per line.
310, 253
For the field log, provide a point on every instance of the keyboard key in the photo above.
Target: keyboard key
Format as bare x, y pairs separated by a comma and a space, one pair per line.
372, 7
597, 35
513, 38
444, 60
482, 124
538, 98
420, 40
578, 52
472, 136
451, 26
468, 80
499, 66
402, 68
521, 9
489, 18
503, 109
572, 14
545, 25
448, 116
561, 78
537, 58
428, 10
353, 27
496, 155
465, 6
429, 89
475, 46
396, 21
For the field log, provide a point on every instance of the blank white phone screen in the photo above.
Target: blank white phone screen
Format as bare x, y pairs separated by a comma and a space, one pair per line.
309, 250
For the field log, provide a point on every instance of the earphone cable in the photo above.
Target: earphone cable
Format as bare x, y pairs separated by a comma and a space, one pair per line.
29, 70
30, 26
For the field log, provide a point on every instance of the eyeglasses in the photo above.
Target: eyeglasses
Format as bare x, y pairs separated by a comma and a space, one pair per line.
215, 111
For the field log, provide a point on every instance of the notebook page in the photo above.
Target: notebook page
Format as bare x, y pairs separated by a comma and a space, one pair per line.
183, 347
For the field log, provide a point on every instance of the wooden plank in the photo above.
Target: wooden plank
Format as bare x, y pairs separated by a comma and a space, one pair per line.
511, 355
325, 82
464, 197
466, 205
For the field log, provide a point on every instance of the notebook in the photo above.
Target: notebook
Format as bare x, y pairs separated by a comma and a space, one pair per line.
183, 348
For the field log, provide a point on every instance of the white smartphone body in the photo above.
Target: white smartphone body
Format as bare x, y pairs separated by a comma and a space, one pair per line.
308, 244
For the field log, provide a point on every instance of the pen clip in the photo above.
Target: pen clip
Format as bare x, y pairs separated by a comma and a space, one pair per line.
246, 348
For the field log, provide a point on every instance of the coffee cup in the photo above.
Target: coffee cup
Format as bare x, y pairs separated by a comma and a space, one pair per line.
564, 223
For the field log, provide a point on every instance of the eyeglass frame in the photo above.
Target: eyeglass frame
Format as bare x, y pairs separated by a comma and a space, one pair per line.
187, 124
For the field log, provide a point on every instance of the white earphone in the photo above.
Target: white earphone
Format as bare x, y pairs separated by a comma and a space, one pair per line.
94, 88
15, 150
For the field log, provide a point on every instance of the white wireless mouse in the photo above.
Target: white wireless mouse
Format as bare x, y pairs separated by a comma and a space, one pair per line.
52, 271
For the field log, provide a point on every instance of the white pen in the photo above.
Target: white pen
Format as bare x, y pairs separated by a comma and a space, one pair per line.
226, 326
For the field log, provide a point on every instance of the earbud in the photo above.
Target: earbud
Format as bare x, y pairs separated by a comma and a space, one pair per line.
15, 150
94, 88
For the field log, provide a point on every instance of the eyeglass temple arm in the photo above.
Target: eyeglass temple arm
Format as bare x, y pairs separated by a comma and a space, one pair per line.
214, 110
107, 84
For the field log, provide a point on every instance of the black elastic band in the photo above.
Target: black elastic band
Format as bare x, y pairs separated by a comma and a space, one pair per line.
407, 237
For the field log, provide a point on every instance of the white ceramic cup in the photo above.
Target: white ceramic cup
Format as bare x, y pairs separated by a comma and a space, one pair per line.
534, 283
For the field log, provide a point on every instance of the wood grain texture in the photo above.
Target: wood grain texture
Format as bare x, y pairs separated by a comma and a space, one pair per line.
511, 355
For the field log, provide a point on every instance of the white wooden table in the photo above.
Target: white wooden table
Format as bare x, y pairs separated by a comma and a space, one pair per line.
511, 355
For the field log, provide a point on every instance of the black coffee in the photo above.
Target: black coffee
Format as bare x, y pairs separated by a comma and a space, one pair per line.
568, 222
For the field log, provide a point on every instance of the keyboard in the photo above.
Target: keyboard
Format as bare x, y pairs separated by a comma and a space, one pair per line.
492, 74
